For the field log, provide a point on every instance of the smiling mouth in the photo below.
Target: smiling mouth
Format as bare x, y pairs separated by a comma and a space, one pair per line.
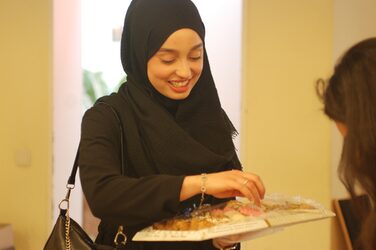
179, 84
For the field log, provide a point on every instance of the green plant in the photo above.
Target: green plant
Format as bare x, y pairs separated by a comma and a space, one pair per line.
95, 86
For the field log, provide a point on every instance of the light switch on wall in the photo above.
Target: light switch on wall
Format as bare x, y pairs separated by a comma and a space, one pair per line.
23, 157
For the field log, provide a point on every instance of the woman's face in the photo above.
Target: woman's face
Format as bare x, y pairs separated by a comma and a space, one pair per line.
176, 67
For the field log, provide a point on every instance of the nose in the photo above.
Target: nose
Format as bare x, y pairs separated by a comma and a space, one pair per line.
184, 69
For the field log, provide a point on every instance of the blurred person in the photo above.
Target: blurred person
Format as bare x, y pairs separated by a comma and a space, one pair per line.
350, 101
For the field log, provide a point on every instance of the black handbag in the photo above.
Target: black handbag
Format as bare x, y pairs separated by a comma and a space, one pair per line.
67, 234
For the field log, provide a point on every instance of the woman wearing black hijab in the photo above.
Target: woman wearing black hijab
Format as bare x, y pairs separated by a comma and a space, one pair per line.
177, 139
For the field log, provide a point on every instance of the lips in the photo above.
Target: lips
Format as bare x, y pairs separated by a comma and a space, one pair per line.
179, 86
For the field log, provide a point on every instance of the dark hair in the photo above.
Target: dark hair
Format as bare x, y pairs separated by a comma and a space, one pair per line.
350, 98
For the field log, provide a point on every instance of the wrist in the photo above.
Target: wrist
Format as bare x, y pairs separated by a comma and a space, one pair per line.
190, 187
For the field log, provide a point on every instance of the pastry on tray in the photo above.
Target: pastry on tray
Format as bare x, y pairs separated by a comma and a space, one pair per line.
208, 217
230, 211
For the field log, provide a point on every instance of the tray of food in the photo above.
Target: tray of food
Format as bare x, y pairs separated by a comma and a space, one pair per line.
236, 219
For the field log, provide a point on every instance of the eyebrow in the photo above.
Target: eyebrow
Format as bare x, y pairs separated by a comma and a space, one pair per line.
200, 45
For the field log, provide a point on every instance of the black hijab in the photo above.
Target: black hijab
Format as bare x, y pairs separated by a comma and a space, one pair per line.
189, 136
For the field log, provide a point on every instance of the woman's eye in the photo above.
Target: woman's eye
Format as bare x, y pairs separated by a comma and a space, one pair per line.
167, 61
195, 58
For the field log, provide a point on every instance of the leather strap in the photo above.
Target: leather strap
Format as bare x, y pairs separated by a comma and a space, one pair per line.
72, 177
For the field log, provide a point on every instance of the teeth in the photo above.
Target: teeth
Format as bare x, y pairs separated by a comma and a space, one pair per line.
179, 84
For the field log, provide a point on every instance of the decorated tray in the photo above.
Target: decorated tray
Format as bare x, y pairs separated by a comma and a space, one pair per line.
237, 220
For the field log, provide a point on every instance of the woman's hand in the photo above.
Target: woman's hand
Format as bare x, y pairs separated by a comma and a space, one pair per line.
223, 244
225, 184
235, 183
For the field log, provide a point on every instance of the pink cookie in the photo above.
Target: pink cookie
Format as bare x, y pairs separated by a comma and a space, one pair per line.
248, 211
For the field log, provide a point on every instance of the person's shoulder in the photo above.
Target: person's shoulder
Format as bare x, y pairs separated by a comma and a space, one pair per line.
113, 99
102, 108
100, 120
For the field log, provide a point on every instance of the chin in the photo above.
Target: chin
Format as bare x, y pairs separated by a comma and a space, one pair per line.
178, 97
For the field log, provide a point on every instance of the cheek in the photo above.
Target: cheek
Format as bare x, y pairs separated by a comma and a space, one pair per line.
197, 69
157, 72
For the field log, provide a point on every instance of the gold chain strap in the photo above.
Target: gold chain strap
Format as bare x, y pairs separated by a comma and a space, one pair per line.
68, 245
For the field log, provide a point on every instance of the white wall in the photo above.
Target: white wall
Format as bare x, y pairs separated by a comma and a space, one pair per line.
223, 23
67, 100
98, 51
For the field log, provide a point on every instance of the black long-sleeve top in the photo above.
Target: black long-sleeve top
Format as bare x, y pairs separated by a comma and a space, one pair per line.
129, 200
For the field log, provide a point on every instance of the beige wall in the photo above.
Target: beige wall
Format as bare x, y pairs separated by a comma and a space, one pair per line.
25, 127
285, 137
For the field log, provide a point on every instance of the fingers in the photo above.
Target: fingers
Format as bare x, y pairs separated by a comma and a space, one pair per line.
251, 187
223, 243
256, 180
217, 243
235, 183
246, 192
249, 190
254, 192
